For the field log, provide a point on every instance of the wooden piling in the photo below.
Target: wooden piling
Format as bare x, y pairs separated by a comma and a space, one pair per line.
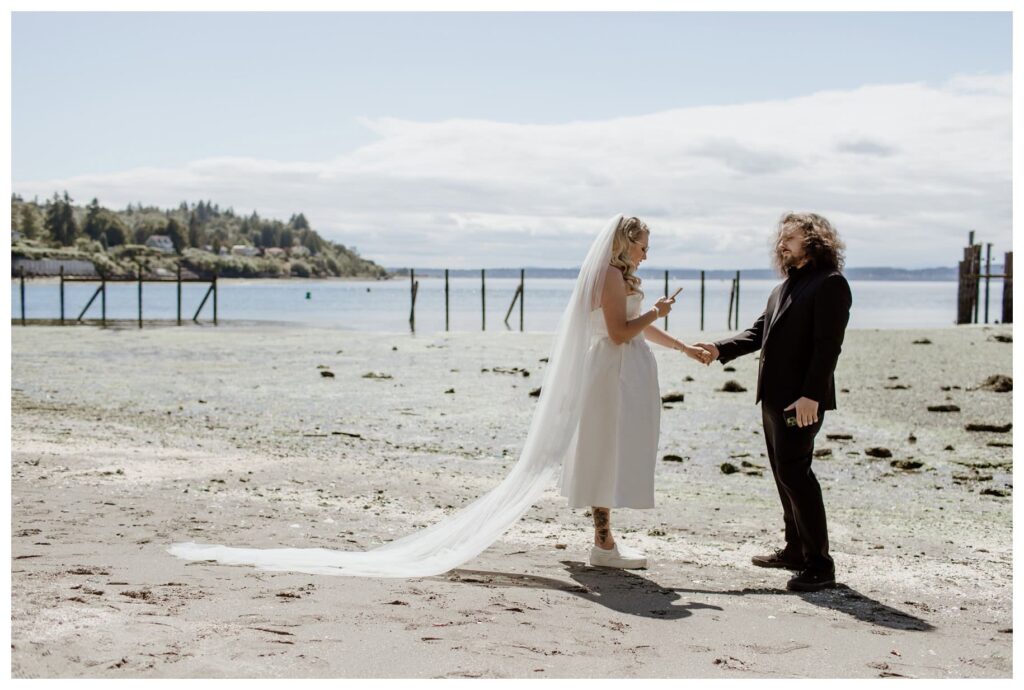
736, 323
483, 299
179, 293
446, 299
88, 304
22, 273
1008, 288
963, 291
103, 299
512, 305
138, 268
976, 261
666, 295
412, 317
522, 296
214, 286
202, 303
62, 294
702, 300
967, 292
988, 275
732, 296
412, 299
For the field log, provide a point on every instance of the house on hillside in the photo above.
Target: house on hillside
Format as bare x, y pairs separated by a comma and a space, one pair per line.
244, 250
275, 252
161, 242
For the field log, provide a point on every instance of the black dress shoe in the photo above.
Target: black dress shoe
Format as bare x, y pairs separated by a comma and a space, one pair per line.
780, 559
812, 580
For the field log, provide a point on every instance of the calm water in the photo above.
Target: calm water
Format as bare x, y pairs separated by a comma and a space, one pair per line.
384, 305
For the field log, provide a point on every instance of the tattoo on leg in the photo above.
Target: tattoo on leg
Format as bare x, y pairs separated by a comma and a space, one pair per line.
601, 525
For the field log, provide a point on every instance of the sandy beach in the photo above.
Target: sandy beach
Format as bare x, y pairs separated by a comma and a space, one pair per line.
125, 441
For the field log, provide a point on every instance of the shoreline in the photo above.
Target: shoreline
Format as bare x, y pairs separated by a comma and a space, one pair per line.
122, 323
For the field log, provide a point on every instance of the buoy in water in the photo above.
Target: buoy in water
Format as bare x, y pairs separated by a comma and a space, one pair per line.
309, 295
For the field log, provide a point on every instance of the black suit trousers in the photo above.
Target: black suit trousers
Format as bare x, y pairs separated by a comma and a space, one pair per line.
790, 451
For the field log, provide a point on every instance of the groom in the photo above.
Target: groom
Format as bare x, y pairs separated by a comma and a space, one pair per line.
802, 330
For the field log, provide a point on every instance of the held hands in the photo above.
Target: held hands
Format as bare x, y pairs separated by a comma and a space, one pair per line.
698, 353
711, 350
806, 411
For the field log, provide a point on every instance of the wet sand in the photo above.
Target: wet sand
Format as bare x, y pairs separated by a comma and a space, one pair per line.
125, 441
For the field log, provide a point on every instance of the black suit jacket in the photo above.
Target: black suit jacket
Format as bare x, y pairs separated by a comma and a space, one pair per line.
799, 340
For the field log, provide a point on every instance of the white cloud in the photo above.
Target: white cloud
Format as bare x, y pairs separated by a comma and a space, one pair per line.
903, 170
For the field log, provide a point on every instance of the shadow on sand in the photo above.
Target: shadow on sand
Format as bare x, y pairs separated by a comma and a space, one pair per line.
630, 593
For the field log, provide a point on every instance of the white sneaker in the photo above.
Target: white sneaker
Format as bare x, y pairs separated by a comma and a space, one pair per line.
619, 556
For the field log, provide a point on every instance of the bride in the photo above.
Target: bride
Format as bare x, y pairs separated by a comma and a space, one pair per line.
612, 462
597, 416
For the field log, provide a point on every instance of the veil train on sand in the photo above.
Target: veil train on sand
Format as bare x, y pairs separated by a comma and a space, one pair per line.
463, 535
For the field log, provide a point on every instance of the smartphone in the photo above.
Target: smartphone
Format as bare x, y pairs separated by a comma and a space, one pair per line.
790, 417
678, 290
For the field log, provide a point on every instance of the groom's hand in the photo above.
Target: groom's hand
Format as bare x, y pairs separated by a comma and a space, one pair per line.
806, 411
710, 347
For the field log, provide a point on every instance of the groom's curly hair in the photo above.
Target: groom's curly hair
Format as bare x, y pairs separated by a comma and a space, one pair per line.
821, 241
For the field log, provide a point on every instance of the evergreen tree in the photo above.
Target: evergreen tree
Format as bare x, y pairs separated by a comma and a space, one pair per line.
52, 218
177, 235
105, 223
311, 241
92, 226
60, 220
31, 226
270, 235
115, 232
194, 240
299, 222
15, 214
68, 219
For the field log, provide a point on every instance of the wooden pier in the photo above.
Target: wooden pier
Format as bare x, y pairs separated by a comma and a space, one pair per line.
519, 297
101, 292
970, 277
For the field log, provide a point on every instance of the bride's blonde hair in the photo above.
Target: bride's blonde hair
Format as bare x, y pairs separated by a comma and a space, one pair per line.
629, 230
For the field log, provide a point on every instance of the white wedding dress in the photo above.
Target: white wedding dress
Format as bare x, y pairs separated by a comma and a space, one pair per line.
550, 440
612, 461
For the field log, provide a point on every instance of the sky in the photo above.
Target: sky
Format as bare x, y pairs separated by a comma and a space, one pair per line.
507, 139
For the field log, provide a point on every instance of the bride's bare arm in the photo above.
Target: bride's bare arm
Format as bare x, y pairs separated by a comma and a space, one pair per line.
613, 303
660, 337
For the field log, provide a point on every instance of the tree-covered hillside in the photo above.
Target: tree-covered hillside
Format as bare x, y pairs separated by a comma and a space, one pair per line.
204, 237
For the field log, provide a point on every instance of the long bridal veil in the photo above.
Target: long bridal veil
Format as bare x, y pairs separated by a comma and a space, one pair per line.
466, 533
